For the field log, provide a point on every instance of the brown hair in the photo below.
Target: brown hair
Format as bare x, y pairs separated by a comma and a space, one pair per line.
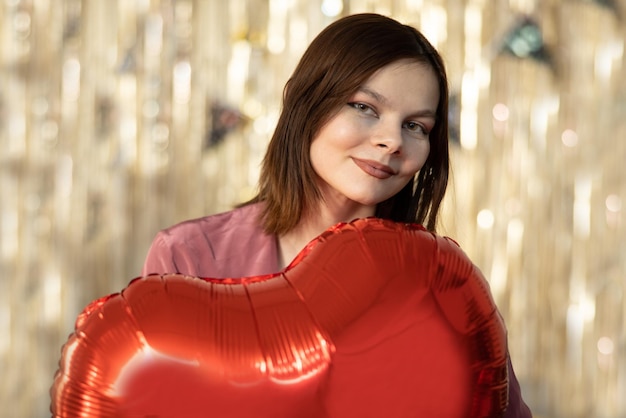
338, 61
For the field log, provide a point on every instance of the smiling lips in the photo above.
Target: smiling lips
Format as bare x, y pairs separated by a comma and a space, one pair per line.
374, 168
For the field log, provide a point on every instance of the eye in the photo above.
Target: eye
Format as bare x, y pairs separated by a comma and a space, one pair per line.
363, 108
415, 128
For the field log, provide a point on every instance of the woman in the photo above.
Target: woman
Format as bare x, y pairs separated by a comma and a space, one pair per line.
363, 132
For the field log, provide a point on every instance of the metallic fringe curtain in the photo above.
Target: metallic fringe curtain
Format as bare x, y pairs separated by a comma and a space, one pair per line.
119, 118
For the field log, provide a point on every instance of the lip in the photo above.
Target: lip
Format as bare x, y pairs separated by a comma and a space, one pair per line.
374, 168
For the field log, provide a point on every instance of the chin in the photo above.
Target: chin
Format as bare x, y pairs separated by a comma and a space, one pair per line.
370, 202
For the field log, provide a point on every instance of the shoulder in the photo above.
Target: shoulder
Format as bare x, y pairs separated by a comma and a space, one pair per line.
243, 220
228, 244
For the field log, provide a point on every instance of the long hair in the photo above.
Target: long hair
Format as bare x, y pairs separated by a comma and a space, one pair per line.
338, 61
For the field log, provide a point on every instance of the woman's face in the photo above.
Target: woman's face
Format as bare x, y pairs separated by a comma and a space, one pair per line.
373, 146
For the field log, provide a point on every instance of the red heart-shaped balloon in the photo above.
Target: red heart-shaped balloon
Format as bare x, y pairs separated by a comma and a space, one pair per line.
372, 319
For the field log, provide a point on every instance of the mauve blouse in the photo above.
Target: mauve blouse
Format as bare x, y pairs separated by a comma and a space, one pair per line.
233, 244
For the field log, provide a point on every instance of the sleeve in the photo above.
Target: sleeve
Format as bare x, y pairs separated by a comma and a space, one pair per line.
160, 258
517, 407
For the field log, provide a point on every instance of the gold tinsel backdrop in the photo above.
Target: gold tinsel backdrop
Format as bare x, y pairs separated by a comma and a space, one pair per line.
119, 118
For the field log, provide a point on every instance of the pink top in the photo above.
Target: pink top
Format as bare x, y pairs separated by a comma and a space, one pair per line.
230, 244
233, 244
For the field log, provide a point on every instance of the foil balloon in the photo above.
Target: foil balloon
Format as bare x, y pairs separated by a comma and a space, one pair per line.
372, 319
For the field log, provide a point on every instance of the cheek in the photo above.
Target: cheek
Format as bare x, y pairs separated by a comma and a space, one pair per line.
341, 132
418, 158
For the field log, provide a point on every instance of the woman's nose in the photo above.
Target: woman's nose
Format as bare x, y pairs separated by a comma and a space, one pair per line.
389, 137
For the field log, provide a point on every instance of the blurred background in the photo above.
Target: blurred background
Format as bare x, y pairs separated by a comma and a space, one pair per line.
119, 118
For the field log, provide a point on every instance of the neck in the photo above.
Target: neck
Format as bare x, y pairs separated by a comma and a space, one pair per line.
314, 222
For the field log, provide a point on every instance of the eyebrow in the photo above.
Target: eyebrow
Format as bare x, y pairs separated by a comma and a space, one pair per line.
382, 99
378, 97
